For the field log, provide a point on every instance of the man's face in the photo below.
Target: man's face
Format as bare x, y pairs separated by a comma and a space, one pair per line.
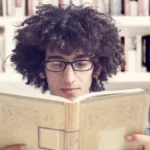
68, 83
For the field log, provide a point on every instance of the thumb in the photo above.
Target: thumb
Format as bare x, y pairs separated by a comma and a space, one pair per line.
15, 147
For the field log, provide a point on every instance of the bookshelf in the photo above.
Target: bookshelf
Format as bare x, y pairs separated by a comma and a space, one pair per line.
133, 25
129, 25
132, 21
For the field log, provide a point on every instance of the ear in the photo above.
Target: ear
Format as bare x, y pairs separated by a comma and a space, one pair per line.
98, 71
42, 75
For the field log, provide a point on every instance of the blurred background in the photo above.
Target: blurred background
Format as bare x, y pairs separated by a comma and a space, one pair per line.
132, 18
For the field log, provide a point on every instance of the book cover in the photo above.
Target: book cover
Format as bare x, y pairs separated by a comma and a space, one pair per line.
89, 122
147, 52
115, 7
133, 8
127, 7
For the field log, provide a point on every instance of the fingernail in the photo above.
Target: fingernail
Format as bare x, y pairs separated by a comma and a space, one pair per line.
129, 138
23, 147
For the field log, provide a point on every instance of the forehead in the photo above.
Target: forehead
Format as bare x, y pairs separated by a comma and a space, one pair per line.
66, 56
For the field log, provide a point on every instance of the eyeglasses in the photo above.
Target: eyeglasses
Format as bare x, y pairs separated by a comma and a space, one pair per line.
58, 66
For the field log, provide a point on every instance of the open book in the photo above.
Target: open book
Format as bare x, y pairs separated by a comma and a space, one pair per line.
96, 121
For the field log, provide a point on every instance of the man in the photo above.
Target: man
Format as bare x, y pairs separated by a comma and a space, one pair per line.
69, 51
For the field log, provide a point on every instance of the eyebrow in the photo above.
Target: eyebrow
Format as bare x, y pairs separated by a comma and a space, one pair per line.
80, 56
55, 57
60, 57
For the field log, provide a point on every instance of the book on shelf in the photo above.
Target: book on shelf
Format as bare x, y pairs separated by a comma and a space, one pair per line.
122, 7
13, 7
4, 6
143, 7
54, 2
146, 52
64, 2
137, 56
115, 7
127, 7
134, 53
76, 2
2, 50
133, 8
88, 122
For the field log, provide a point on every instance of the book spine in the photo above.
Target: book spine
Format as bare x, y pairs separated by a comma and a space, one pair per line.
127, 7
10, 5
127, 47
147, 53
95, 3
115, 7
146, 7
55, 3
45, 2
139, 52
19, 8
133, 8
132, 60
122, 7
122, 39
1, 8
76, 2
140, 8
34, 4
132, 55
4, 7
101, 6
143, 54
72, 115
29, 11
107, 5
66, 2
2, 55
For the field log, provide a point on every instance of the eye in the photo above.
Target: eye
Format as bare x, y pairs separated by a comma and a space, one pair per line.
57, 64
81, 63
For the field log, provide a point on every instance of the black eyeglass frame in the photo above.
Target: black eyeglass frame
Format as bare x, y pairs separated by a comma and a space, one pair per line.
68, 63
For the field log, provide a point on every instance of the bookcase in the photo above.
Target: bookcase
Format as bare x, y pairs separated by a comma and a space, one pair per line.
130, 26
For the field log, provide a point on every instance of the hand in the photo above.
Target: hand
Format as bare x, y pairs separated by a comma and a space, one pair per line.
15, 147
140, 139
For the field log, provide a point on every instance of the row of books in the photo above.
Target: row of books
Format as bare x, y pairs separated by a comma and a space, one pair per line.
137, 53
113, 7
2, 50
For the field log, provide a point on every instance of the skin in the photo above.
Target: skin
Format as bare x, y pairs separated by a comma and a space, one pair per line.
71, 84
68, 83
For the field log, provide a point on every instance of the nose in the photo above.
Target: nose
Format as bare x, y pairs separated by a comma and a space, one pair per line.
68, 75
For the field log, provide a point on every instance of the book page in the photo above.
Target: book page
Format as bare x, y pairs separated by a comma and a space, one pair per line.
38, 96
106, 93
105, 123
39, 124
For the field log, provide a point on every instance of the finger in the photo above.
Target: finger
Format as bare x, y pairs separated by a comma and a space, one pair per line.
139, 138
15, 147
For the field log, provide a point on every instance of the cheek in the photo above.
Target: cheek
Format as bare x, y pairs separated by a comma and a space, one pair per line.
87, 79
52, 80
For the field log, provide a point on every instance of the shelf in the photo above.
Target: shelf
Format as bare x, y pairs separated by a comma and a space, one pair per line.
5, 21
129, 25
131, 77
132, 21
121, 21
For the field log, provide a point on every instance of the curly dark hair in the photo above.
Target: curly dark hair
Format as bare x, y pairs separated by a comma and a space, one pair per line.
66, 29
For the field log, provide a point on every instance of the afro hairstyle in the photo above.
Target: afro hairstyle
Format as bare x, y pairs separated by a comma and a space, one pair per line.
66, 29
